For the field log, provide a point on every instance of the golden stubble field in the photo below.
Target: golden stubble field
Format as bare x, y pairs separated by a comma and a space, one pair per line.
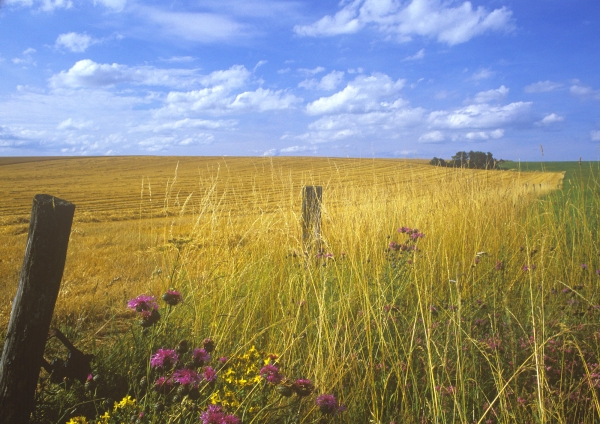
131, 210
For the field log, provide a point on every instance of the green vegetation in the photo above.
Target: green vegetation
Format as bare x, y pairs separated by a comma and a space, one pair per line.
472, 160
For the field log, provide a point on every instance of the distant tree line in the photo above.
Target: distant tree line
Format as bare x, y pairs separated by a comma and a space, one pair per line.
474, 160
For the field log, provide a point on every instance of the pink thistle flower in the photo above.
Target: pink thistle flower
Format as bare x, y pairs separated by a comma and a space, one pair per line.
210, 374
200, 357
172, 297
163, 384
213, 415
328, 404
187, 377
164, 358
271, 373
143, 303
499, 266
584, 266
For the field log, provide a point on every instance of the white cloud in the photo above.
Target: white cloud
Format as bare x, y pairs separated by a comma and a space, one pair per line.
218, 96
73, 124
263, 100
329, 82
481, 116
364, 94
482, 74
484, 135
197, 27
259, 64
595, 135
26, 57
44, 5
432, 137
491, 95
551, 119
542, 87
314, 71
581, 90
427, 18
417, 56
77, 43
298, 149
88, 74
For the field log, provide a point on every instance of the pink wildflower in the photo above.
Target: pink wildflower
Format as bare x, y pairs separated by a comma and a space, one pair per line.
328, 404
210, 374
164, 358
172, 297
187, 377
143, 303
271, 373
200, 357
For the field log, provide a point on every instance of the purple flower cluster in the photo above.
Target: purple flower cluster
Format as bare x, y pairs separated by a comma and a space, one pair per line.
143, 303
271, 373
172, 297
215, 415
200, 357
148, 309
210, 374
413, 233
164, 358
328, 404
187, 377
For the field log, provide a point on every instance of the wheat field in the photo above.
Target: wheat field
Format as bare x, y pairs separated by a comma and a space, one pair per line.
127, 205
452, 325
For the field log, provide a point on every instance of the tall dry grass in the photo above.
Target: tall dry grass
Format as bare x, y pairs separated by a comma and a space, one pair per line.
492, 318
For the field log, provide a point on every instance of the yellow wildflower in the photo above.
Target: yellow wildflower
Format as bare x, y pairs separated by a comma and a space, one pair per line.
104, 419
126, 401
77, 420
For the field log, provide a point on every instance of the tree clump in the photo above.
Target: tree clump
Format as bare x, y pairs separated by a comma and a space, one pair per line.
473, 160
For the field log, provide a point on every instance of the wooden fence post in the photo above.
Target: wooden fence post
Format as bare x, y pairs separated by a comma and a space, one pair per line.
312, 197
33, 305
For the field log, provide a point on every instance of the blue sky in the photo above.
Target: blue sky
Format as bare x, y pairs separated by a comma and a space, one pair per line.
357, 78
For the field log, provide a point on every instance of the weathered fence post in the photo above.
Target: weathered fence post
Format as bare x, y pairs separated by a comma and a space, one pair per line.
33, 305
311, 216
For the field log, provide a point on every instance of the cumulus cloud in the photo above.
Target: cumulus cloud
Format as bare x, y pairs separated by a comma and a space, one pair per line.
435, 19
542, 87
329, 82
484, 135
491, 95
77, 43
551, 119
595, 135
364, 94
481, 116
218, 95
580, 90
88, 74
432, 137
